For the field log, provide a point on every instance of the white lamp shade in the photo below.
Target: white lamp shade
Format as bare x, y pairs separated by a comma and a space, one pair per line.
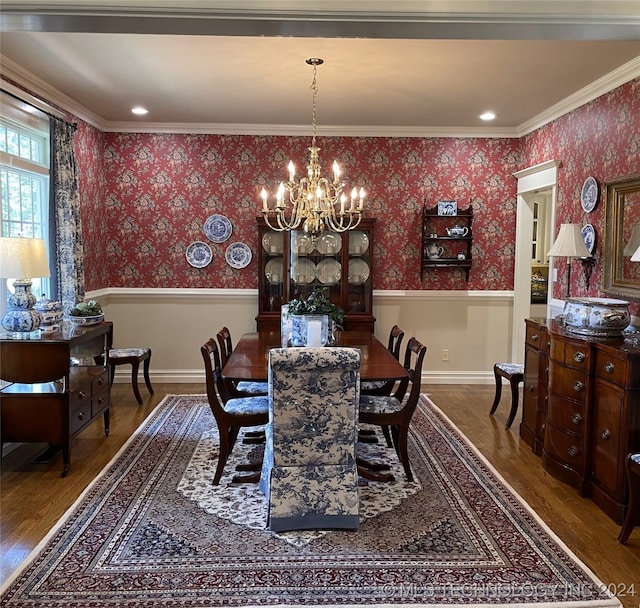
636, 256
634, 242
23, 258
569, 243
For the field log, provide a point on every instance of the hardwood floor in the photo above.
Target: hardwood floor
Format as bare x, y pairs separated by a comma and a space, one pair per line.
34, 496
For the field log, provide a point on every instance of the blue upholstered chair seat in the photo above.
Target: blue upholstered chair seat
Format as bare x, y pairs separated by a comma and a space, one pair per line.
372, 385
253, 388
247, 405
379, 405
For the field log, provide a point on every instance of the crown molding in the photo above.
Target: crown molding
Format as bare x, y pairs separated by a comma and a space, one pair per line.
625, 73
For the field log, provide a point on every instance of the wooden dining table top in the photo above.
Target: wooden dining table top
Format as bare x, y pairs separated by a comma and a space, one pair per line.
249, 359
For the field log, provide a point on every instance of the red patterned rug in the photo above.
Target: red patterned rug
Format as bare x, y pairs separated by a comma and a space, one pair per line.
151, 531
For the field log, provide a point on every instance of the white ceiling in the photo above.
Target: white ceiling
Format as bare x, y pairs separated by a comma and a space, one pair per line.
240, 66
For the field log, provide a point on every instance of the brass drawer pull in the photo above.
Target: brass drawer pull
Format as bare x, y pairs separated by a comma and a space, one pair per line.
81, 415
534, 337
578, 386
576, 418
101, 381
82, 395
579, 357
609, 367
606, 434
531, 388
572, 451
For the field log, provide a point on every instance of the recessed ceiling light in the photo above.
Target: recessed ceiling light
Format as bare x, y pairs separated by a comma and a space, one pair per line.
139, 110
487, 116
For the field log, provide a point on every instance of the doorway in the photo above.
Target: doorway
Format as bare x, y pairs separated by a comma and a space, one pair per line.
535, 184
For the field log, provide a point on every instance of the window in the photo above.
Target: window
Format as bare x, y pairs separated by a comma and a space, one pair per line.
24, 178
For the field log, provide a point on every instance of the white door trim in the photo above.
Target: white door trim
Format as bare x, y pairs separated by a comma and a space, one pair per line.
544, 175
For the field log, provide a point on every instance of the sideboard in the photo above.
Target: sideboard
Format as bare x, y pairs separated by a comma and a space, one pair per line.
581, 409
52, 387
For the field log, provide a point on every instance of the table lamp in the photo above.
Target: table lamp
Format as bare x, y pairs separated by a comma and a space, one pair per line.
569, 244
22, 258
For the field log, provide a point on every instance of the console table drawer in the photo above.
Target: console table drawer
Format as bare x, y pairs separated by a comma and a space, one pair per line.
567, 382
564, 448
566, 414
569, 353
611, 368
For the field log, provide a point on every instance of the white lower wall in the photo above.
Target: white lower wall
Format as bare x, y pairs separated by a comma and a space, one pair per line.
474, 326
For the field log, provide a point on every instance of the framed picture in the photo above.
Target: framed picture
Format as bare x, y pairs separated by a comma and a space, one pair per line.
447, 208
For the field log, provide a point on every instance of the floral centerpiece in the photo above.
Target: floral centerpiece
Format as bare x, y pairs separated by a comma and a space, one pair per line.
317, 303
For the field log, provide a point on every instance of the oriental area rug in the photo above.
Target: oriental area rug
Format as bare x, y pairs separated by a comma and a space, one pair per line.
153, 532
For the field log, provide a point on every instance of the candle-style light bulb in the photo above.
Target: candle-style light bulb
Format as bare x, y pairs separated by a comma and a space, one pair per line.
336, 171
292, 170
264, 196
280, 196
361, 199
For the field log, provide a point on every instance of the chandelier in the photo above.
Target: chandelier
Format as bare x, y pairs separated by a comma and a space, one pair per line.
315, 202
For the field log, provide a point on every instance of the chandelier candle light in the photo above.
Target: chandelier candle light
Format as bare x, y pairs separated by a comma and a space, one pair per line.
316, 202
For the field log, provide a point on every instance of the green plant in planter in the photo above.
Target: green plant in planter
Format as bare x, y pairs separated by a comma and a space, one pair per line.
317, 303
86, 309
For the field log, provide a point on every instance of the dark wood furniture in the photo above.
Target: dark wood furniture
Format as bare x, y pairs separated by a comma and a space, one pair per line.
45, 397
434, 232
514, 374
291, 265
133, 357
250, 357
632, 517
589, 409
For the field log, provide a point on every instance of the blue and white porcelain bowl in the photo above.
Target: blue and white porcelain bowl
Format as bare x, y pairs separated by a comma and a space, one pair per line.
92, 320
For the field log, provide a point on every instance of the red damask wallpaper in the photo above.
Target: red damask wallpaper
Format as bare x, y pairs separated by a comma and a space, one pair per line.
145, 197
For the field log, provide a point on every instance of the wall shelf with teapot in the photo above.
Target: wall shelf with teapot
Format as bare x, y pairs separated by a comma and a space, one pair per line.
446, 239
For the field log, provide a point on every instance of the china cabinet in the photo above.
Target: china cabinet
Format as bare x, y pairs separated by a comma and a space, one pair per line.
291, 264
446, 240
588, 410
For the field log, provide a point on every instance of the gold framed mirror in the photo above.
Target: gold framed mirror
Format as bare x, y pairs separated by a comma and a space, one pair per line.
621, 276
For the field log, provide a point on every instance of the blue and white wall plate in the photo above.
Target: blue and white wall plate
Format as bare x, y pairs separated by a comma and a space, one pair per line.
199, 254
589, 194
217, 228
238, 255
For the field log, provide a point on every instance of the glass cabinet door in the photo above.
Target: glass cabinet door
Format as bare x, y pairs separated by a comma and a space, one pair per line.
359, 272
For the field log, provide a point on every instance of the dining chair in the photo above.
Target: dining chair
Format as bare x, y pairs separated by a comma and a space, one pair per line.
385, 387
395, 411
243, 388
233, 414
309, 470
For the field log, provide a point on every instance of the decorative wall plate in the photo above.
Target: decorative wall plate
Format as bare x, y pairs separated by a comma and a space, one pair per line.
238, 255
328, 271
217, 228
199, 254
358, 242
589, 237
589, 194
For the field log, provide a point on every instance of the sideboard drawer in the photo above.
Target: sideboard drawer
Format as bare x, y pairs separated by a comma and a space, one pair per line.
567, 382
566, 414
613, 369
573, 354
565, 448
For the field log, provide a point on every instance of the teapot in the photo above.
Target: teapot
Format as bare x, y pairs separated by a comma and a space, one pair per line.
433, 251
457, 231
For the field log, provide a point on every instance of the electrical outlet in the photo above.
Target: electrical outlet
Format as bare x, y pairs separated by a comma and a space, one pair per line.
445, 354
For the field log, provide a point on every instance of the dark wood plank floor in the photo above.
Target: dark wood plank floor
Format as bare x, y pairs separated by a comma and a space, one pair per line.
34, 497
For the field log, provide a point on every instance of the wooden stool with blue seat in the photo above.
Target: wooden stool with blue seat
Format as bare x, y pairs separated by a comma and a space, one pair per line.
514, 373
133, 357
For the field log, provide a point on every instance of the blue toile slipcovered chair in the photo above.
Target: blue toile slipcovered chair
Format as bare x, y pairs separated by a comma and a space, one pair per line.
309, 471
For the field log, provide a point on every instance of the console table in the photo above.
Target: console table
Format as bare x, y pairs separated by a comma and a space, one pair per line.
581, 409
52, 388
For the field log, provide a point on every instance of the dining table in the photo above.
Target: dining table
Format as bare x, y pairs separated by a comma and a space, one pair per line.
249, 360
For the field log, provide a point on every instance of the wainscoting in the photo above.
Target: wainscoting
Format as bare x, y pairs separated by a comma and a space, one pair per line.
473, 326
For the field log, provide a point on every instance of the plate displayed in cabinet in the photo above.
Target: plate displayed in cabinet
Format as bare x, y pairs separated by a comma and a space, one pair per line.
273, 270
199, 254
358, 242
358, 271
238, 255
328, 271
301, 244
303, 270
329, 244
272, 242
217, 228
